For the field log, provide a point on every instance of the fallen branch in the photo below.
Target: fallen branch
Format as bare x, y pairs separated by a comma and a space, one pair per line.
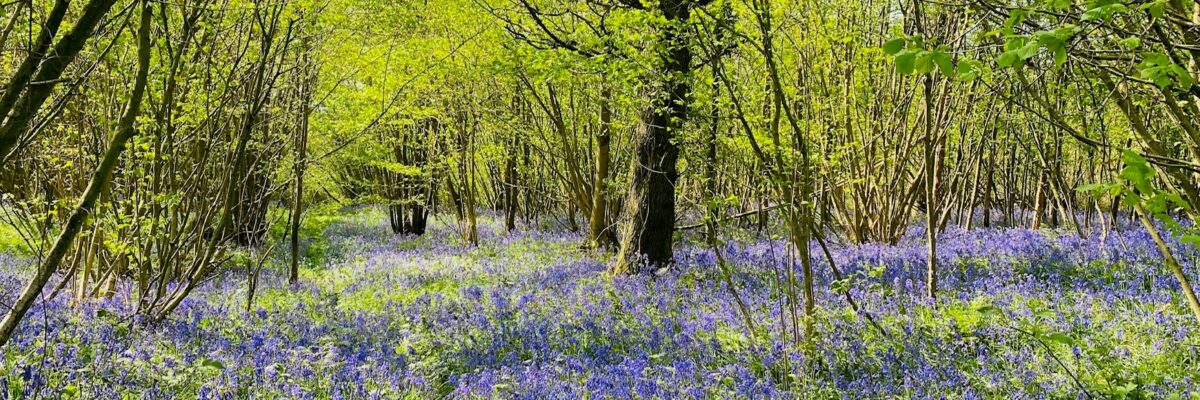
731, 217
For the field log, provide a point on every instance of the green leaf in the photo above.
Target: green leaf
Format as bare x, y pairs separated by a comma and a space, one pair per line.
905, 61
1008, 59
1061, 338
1015, 17
1098, 188
1157, 204
1160, 69
1131, 42
1177, 200
1156, 8
1067, 31
1125, 389
1015, 43
944, 63
1103, 12
1131, 157
924, 63
210, 363
1182, 78
968, 70
1130, 199
894, 46
1028, 51
988, 309
1191, 238
1134, 175
1047, 38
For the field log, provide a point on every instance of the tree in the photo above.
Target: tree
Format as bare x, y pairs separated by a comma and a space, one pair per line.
647, 232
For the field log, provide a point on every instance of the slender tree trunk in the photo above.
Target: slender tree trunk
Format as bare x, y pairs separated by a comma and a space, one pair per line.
710, 169
987, 197
598, 221
1039, 202
931, 173
931, 196
510, 188
12, 24
301, 165
469, 200
100, 179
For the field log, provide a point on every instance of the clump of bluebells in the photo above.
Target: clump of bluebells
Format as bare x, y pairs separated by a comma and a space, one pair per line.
1023, 314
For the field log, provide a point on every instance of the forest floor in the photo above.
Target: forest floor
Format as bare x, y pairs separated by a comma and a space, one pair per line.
1023, 314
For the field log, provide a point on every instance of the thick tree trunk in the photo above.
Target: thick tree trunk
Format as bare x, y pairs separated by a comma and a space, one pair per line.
100, 179
396, 218
419, 216
648, 230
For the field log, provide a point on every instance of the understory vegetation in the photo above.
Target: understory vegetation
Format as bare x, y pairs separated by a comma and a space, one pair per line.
528, 315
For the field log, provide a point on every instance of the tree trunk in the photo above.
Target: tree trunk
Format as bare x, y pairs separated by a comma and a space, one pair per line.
710, 168
1172, 263
1039, 202
931, 196
510, 189
300, 167
598, 221
648, 230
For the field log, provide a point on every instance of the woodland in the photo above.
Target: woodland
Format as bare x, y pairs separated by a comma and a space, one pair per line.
599, 199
